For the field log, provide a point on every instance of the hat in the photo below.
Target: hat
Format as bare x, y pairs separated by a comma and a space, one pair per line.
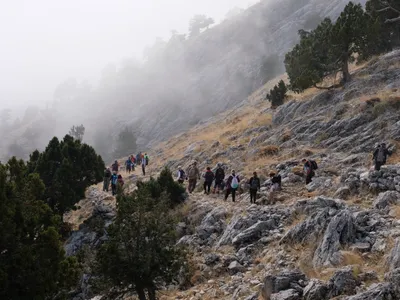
179, 167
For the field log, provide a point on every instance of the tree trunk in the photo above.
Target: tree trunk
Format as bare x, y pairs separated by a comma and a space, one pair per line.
151, 291
141, 294
345, 70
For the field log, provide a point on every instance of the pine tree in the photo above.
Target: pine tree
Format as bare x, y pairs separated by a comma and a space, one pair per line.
141, 252
67, 168
328, 49
278, 94
32, 260
125, 143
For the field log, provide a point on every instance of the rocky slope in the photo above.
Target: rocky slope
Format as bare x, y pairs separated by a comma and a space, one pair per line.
336, 238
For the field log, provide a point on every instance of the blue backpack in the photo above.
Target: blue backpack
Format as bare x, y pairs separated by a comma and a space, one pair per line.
114, 179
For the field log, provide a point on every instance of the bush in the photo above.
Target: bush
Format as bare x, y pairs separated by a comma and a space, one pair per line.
269, 150
278, 94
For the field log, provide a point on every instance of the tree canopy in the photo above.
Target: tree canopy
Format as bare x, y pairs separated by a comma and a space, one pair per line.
331, 47
67, 168
141, 252
77, 132
32, 261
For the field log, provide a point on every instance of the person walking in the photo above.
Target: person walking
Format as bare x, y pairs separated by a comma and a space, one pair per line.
138, 158
255, 186
143, 166
115, 166
106, 179
133, 160
219, 178
208, 180
308, 168
380, 156
276, 181
114, 182
181, 175
193, 175
146, 157
128, 165
232, 184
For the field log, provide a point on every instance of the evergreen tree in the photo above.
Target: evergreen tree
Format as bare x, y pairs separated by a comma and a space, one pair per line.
141, 253
67, 168
277, 95
32, 261
328, 49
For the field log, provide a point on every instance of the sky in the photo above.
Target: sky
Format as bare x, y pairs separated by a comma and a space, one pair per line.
44, 42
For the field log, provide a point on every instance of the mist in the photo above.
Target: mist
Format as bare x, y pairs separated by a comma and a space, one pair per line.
125, 65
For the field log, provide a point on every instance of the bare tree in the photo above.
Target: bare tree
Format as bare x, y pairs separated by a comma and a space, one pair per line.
77, 132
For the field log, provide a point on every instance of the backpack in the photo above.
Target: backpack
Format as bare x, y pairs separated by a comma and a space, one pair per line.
220, 174
380, 157
255, 183
182, 174
234, 182
209, 176
314, 164
114, 179
107, 173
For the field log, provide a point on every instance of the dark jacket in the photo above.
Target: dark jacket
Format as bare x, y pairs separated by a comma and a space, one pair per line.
219, 174
277, 179
114, 167
385, 153
255, 183
107, 174
209, 176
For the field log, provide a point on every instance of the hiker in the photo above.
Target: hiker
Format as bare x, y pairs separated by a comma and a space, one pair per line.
193, 174
219, 178
133, 160
128, 165
120, 181
181, 175
146, 157
114, 181
115, 166
208, 180
143, 166
138, 158
106, 180
276, 181
255, 186
232, 184
309, 169
380, 156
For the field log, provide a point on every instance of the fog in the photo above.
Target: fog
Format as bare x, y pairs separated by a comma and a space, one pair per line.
45, 42
136, 69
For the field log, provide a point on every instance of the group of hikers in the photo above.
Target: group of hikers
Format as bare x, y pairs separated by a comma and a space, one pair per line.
112, 177
140, 159
230, 184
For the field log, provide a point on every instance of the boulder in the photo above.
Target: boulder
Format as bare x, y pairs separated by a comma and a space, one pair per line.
283, 281
343, 193
343, 282
381, 291
393, 260
254, 232
315, 290
387, 198
290, 294
308, 230
235, 267
340, 231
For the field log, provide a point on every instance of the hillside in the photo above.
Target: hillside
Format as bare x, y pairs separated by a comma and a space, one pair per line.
336, 238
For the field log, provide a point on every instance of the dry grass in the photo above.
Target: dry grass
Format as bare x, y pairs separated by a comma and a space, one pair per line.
269, 150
